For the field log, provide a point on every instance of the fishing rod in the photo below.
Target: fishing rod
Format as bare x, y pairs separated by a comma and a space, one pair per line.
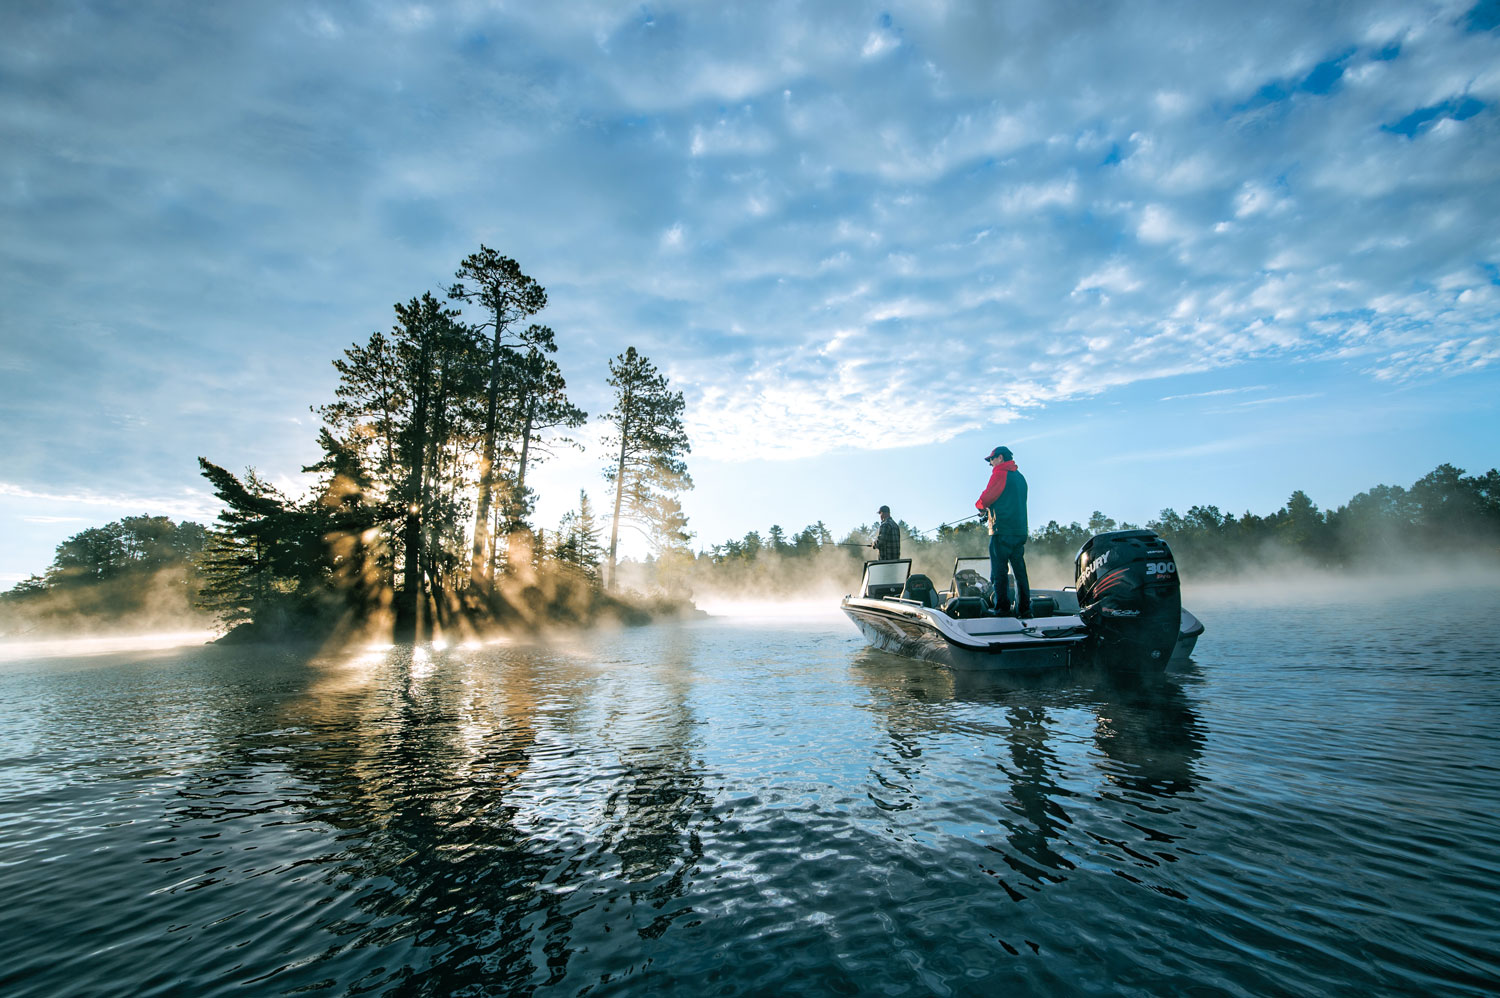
952, 523
940, 526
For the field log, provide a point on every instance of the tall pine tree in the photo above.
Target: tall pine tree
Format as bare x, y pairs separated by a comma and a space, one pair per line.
647, 441
497, 284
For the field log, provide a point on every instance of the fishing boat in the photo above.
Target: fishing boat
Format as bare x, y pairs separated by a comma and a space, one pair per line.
1123, 612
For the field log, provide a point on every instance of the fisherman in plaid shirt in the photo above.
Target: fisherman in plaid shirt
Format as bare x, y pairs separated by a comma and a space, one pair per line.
887, 543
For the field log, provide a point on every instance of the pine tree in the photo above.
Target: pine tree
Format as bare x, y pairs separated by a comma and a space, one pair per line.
540, 404
407, 406
508, 296
359, 559
648, 441
578, 540
264, 562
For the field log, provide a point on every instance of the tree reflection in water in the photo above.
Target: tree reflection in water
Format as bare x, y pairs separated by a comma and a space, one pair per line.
470, 839
654, 813
424, 766
515, 820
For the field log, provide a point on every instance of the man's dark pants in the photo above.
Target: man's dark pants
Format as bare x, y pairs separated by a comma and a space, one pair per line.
1009, 551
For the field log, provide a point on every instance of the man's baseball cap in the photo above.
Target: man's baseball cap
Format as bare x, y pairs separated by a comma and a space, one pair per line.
884, 509
1001, 452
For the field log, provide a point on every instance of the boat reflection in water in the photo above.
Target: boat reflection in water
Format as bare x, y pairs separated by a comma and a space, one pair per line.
1092, 762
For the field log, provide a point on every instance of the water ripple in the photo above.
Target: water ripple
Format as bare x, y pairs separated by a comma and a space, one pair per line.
729, 809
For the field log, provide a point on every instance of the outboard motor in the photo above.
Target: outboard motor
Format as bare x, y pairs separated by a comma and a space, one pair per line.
1130, 598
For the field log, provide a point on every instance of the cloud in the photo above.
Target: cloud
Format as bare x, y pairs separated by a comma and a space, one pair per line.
189, 506
925, 215
878, 44
1279, 399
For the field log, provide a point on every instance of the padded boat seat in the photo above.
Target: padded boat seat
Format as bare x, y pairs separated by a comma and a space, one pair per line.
919, 588
964, 607
1043, 606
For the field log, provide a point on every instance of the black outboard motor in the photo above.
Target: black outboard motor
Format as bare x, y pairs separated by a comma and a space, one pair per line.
1130, 598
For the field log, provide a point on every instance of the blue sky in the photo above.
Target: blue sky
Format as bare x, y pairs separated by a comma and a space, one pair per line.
1169, 253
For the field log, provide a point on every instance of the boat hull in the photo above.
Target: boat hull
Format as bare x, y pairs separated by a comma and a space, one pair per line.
1000, 644
915, 634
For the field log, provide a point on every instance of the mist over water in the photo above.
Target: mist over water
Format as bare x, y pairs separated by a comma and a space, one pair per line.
107, 644
135, 605
759, 804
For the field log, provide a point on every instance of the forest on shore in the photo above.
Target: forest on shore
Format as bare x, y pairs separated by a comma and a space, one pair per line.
419, 523
1446, 514
150, 568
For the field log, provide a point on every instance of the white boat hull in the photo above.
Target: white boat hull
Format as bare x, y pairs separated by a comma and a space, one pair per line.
984, 644
977, 644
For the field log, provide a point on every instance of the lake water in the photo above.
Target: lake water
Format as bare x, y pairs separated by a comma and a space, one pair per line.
746, 806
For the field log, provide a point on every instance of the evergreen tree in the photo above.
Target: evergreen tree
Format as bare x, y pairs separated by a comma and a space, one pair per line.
262, 562
136, 545
367, 399
1302, 525
537, 404
578, 540
406, 404
91, 555
359, 559
432, 351
507, 295
647, 440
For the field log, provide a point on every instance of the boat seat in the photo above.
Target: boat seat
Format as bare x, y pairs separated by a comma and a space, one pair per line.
919, 588
1043, 606
964, 607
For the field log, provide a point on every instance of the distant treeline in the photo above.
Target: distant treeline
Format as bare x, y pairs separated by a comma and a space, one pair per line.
141, 571
150, 565
1444, 512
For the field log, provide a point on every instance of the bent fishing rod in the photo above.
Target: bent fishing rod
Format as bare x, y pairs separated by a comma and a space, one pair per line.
952, 523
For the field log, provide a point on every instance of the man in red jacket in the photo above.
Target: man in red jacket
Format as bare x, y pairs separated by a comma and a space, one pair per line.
1003, 502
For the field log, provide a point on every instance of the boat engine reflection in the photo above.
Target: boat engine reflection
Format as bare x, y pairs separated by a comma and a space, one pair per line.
1087, 763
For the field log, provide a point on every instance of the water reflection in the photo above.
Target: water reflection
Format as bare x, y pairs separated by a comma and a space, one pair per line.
479, 812
1150, 732
1060, 744
654, 814
741, 810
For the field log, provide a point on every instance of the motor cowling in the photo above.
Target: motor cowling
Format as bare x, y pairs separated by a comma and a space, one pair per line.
1130, 597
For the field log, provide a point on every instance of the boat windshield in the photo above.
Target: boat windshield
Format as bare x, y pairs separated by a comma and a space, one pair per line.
885, 578
979, 566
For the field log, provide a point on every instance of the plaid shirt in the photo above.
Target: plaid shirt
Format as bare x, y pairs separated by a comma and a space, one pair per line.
888, 540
